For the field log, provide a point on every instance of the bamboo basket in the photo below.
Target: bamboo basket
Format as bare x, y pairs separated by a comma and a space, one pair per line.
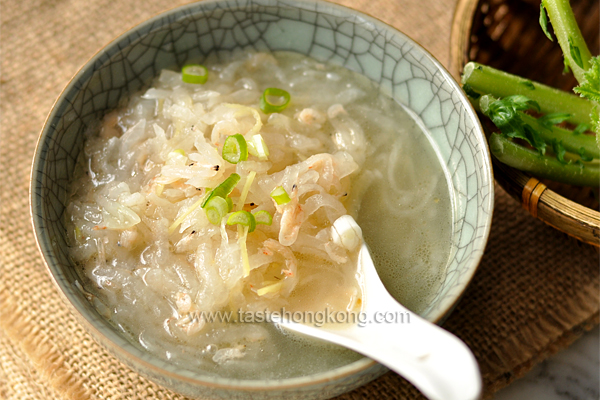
505, 34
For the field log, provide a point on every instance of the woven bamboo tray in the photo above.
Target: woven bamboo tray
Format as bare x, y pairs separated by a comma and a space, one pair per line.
505, 34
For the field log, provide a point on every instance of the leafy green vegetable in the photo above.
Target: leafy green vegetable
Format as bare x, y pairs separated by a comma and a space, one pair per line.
487, 80
595, 116
590, 88
568, 34
528, 83
528, 160
544, 22
522, 103
506, 98
535, 132
583, 156
553, 119
470, 91
575, 53
566, 66
504, 114
559, 151
581, 128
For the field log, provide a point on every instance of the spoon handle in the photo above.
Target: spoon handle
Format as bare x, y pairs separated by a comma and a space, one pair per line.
438, 363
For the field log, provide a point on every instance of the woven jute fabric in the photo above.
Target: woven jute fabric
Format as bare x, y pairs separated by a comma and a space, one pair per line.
534, 293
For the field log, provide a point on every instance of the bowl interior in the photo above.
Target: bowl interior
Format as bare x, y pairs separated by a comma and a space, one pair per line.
213, 30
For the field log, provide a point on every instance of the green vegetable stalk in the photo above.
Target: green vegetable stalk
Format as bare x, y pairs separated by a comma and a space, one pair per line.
487, 80
510, 153
506, 98
575, 50
507, 114
576, 53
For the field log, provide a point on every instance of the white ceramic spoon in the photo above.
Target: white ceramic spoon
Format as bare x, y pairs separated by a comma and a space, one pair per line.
439, 364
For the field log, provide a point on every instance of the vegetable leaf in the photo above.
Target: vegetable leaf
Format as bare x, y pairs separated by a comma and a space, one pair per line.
581, 128
595, 117
575, 53
590, 89
583, 156
534, 139
504, 114
559, 150
567, 67
522, 103
553, 119
471, 92
544, 22
527, 83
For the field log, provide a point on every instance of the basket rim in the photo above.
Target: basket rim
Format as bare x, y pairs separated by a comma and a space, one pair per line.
572, 218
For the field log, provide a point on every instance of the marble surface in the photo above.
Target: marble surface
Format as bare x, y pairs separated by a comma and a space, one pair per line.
571, 374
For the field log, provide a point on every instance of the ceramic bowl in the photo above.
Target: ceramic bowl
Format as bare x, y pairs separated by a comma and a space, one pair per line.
324, 31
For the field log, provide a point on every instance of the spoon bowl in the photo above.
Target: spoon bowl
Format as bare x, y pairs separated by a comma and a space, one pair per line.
438, 363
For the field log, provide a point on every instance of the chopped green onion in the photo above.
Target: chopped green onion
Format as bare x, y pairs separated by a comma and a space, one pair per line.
194, 73
247, 110
229, 204
235, 149
216, 208
263, 217
280, 195
223, 189
258, 148
274, 100
179, 151
243, 218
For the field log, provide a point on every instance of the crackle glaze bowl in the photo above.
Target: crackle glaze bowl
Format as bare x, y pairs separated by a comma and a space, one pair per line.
324, 31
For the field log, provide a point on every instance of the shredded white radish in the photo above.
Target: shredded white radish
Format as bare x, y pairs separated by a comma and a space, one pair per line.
148, 233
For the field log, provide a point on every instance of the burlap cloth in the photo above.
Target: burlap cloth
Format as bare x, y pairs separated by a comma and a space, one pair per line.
534, 293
